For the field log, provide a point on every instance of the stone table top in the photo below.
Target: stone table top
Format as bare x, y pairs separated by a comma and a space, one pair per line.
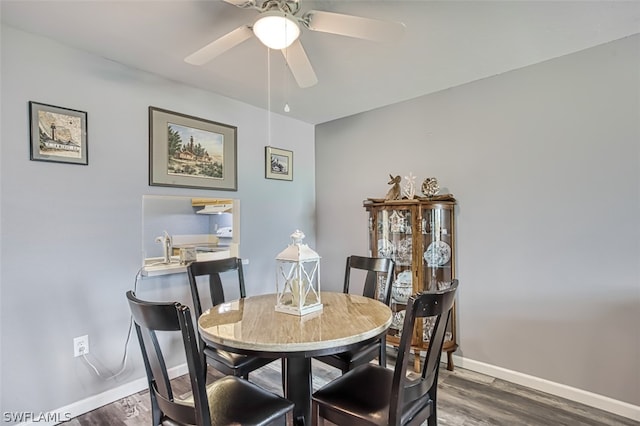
253, 325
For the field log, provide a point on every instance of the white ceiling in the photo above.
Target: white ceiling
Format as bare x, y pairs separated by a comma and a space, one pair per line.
447, 43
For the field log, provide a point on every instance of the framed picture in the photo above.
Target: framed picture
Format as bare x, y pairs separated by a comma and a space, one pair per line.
57, 134
191, 152
278, 163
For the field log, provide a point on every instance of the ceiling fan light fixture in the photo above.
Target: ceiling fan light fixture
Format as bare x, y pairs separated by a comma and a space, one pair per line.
276, 30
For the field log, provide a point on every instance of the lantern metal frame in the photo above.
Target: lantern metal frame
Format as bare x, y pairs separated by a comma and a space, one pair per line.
298, 278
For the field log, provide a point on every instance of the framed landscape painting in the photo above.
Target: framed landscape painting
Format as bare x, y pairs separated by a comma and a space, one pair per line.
57, 134
278, 163
191, 152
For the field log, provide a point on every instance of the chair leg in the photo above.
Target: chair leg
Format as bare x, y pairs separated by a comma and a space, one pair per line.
316, 420
433, 419
156, 414
283, 374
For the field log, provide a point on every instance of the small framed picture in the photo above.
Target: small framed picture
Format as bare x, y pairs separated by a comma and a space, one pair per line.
278, 163
58, 134
191, 152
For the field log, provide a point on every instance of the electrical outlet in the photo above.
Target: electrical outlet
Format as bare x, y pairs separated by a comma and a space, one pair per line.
80, 345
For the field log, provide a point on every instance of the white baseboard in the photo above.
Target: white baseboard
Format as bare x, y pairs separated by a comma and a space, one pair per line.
573, 394
89, 404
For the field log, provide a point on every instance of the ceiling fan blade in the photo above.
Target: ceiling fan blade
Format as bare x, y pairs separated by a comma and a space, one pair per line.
354, 26
299, 65
242, 3
219, 46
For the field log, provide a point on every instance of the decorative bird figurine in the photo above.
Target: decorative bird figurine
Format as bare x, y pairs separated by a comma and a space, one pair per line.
394, 192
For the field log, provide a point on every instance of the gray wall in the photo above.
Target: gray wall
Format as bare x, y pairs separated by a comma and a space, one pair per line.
545, 163
71, 235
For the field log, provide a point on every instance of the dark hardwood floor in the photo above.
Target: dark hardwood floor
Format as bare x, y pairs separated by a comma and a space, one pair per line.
465, 398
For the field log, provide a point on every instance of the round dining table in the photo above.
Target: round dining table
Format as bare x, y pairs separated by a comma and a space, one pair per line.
252, 326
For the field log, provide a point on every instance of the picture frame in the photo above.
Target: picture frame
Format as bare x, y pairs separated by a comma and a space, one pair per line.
278, 163
57, 134
191, 152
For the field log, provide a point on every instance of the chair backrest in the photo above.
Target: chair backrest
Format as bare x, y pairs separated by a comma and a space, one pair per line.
213, 268
406, 391
149, 318
374, 266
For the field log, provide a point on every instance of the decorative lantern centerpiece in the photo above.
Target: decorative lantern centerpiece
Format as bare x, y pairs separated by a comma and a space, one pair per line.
298, 278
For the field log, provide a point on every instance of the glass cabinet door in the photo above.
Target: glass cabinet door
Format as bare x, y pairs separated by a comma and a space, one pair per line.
437, 257
437, 240
392, 237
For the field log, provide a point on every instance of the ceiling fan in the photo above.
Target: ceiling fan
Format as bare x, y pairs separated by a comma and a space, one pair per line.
278, 27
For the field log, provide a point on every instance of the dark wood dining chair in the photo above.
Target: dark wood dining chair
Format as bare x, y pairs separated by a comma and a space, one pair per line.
226, 401
374, 395
226, 362
346, 361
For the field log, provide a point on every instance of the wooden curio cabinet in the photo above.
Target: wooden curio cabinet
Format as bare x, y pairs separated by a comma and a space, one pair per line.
419, 235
